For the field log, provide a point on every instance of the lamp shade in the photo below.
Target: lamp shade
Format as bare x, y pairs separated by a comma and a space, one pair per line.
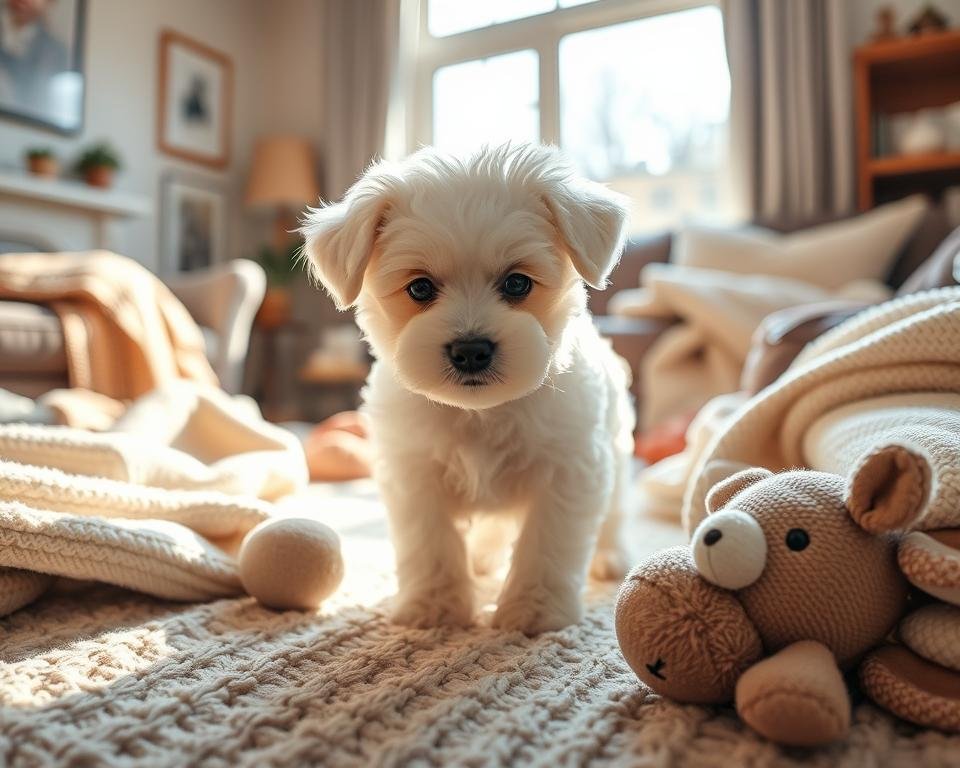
282, 173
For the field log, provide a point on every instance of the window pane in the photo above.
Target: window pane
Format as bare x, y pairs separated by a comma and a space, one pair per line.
447, 17
644, 106
486, 101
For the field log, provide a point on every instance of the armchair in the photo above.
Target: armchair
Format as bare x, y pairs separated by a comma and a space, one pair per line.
223, 300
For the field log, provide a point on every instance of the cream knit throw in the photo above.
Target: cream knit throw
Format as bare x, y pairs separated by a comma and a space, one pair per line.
132, 682
911, 441
909, 345
183, 436
141, 507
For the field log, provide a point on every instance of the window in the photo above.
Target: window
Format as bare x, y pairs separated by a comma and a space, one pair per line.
636, 92
500, 103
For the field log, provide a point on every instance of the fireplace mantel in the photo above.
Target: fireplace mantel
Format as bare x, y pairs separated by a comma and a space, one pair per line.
62, 208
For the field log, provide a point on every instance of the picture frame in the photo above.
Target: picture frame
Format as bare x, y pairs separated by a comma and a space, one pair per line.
193, 224
195, 113
42, 81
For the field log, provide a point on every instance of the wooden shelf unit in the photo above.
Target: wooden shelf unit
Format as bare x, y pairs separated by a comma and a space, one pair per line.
896, 76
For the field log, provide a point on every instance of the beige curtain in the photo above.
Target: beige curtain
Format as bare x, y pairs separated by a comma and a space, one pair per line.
791, 108
360, 57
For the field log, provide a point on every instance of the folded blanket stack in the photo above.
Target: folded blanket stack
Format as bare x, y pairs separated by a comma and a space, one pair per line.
813, 415
903, 453
158, 505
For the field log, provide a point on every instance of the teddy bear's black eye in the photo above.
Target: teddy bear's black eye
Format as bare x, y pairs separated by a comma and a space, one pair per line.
797, 539
422, 290
516, 286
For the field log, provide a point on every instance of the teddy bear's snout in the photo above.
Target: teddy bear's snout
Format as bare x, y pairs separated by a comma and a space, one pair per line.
729, 549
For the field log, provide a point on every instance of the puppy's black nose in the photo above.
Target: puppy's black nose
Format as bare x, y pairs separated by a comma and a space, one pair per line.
471, 355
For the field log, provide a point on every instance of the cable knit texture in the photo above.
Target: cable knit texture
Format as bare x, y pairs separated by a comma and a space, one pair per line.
901, 682
934, 633
182, 436
132, 681
909, 345
139, 506
861, 440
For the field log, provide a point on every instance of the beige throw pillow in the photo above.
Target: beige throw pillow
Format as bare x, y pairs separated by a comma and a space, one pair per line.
830, 255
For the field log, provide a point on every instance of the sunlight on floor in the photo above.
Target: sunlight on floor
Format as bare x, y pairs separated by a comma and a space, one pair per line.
355, 513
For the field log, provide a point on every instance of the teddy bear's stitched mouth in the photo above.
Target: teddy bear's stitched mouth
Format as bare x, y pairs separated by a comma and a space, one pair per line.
655, 668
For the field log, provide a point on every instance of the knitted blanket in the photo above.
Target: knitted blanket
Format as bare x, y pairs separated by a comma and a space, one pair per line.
133, 681
903, 455
143, 506
908, 347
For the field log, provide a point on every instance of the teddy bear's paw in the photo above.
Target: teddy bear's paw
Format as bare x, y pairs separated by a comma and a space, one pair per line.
609, 564
912, 688
537, 610
796, 697
424, 610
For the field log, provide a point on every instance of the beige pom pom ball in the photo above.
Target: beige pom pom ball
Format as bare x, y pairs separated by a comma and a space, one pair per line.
291, 562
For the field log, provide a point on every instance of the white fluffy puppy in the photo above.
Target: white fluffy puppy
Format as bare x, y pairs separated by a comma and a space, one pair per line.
492, 393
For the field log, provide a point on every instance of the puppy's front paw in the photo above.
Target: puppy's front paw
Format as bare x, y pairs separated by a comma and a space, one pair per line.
609, 564
538, 611
434, 609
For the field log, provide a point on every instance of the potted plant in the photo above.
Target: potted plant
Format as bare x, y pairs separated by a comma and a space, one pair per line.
42, 162
280, 265
97, 165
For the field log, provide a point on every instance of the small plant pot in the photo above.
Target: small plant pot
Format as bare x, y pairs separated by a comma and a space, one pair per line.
44, 165
274, 312
99, 176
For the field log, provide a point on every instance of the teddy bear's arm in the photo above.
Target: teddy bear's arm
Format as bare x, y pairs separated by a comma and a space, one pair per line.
795, 697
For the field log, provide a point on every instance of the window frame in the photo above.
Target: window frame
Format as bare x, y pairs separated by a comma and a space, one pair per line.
541, 33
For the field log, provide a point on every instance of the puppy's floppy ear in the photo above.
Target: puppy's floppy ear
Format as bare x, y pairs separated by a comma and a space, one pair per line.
339, 239
592, 222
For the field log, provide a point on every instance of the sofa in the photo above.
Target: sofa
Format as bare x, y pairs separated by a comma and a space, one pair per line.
223, 300
783, 334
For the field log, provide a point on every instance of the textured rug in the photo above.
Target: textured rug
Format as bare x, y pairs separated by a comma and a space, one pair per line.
106, 677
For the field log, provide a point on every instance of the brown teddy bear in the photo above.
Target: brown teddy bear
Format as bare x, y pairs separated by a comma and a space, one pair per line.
919, 679
779, 591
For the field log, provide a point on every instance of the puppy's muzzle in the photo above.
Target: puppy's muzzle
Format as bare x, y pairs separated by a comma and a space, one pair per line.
471, 355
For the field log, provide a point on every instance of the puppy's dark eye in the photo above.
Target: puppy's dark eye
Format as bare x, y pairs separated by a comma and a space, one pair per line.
516, 286
797, 539
422, 290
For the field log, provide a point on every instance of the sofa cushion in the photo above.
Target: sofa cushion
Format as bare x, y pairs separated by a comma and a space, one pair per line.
934, 228
830, 256
31, 340
939, 271
637, 253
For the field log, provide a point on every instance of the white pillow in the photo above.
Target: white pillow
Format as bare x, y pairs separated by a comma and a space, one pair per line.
831, 255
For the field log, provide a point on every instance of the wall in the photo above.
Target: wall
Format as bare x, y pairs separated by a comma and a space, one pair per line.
121, 101
294, 67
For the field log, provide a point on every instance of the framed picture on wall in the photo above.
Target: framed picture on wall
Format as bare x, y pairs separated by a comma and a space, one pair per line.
196, 97
193, 223
41, 62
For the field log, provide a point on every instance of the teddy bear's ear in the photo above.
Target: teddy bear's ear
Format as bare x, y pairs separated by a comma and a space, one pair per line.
725, 490
888, 489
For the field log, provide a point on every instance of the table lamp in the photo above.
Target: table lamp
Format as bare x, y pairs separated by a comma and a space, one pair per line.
282, 177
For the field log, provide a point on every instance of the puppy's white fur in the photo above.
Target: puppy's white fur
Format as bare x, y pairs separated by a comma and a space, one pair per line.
545, 442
